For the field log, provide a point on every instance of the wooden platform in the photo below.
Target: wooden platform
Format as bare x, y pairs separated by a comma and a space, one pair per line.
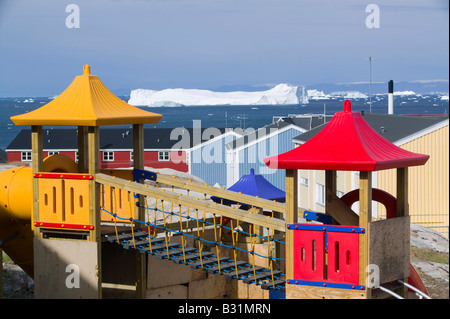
205, 265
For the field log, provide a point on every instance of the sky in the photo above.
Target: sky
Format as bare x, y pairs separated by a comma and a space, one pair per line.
158, 44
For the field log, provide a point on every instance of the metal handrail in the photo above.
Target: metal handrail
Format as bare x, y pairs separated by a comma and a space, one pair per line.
390, 292
414, 289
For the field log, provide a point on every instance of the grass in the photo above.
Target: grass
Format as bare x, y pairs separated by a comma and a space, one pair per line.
6, 258
428, 255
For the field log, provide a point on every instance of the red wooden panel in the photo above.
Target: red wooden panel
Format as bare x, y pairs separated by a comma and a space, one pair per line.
343, 258
309, 255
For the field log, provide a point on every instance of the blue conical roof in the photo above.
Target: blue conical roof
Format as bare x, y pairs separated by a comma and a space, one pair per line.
254, 185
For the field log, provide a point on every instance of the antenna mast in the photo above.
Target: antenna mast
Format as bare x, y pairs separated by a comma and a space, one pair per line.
370, 84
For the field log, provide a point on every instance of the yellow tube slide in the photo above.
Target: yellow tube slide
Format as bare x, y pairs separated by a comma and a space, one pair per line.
16, 236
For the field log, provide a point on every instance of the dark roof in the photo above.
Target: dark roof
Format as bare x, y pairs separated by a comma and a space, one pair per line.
304, 122
256, 134
113, 138
307, 121
52, 139
3, 156
391, 127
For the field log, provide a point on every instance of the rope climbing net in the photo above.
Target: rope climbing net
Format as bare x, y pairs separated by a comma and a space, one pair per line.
190, 235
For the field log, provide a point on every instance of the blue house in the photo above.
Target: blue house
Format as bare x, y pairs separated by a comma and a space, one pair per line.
222, 156
249, 151
207, 160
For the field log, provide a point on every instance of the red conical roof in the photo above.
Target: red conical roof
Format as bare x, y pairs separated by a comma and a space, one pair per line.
347, 143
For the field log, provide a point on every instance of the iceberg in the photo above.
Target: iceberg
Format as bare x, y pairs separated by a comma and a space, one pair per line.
353, 95
281, 94
317, 95
403, 93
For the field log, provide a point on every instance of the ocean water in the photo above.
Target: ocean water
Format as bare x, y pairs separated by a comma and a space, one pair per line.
235, 116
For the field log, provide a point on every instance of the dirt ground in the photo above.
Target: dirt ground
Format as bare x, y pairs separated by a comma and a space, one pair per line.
437, 288
434, 275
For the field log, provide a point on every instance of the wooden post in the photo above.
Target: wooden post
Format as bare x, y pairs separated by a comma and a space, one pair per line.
37, 166
279, 247
365, 217
402, 192
94, 193
138, 163
82, 149
93, 140
291, 217
330, 186
403, 209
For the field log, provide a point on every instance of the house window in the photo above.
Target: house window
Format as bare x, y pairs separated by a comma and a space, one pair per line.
108, 156
76, 157
26, 156
131, 156
320, 194
53, 153
163, 156
304, 181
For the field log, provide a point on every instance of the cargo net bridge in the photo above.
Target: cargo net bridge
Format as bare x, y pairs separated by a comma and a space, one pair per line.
181, 224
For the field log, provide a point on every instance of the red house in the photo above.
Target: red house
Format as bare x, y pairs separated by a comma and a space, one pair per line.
116, 147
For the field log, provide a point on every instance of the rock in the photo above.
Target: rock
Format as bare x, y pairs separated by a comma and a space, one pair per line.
432, 269
426, 238
17, 284
434, 275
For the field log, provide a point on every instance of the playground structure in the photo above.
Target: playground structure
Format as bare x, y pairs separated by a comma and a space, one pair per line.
118, 229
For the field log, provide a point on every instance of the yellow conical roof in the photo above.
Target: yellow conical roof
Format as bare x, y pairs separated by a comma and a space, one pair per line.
87, 102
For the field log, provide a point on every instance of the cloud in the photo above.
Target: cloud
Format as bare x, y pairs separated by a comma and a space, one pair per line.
429, 81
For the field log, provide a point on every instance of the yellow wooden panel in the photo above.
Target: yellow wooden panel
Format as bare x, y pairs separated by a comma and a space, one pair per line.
116, 201
76, 201
63, 201
50, 200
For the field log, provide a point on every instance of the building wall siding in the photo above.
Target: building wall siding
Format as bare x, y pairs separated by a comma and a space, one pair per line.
177, 160
122, 159
209, 163
253, 157
14, 157
428, 184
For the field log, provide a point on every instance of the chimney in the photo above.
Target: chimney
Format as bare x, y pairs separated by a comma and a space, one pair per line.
391, 97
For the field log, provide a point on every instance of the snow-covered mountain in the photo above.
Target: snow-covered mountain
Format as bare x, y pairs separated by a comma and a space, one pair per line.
281, 94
